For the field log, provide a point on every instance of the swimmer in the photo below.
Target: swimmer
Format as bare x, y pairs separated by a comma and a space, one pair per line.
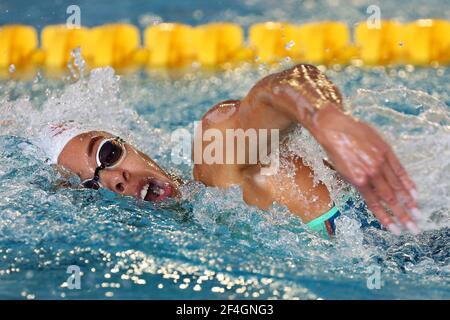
300, 95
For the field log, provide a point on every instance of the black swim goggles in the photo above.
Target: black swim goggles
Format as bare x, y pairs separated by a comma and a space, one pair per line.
110, 154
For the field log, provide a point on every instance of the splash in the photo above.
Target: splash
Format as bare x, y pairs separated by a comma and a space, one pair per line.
211, 244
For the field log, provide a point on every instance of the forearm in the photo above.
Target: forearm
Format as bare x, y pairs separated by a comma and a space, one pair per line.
305, 95
299, 94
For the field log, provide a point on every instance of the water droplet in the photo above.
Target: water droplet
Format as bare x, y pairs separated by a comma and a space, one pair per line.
289, 45
198, 14
76, 64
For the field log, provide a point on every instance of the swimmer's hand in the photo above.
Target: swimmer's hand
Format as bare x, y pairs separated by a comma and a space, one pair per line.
365, 160
304, 95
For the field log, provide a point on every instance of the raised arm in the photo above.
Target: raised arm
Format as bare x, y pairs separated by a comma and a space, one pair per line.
291, 96
303, 94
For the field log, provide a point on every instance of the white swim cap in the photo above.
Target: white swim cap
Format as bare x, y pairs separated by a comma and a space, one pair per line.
54, 137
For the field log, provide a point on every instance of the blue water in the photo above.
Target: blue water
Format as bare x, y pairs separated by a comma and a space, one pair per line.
211, 244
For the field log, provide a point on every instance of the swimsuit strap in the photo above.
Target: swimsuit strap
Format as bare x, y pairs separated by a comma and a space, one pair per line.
325, 223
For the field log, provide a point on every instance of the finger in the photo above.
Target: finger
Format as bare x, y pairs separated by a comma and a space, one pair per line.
401, 193
375, 206
386, 195
409, 185
404, 219
384, 190
401, 173
398, 187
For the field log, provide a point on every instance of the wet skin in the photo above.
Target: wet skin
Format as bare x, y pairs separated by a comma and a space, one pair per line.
300, 95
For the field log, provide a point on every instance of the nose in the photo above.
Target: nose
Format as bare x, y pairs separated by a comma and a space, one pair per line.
119, 180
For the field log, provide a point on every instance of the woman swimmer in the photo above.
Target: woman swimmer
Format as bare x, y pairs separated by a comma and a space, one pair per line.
300, 95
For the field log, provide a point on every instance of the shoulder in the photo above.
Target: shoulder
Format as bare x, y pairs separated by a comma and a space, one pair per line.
221, 112
220, 117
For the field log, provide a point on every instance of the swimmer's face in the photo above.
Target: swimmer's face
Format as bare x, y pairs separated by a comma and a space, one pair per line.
135, 174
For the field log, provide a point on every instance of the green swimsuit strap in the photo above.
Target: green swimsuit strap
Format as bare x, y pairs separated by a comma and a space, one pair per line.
319, 221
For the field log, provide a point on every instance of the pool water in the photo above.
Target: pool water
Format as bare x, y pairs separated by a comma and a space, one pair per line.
211, 245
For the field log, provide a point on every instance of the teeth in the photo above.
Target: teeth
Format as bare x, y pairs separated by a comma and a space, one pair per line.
160, 191
144, 191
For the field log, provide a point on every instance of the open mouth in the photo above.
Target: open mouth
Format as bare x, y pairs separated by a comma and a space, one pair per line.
155, 190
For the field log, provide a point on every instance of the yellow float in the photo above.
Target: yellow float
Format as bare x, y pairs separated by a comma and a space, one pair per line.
18, 43
172, 45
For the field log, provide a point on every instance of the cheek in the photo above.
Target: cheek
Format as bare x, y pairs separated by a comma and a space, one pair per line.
86, 170
131, 161
137, 159
135, 163
85, 175
77, 166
